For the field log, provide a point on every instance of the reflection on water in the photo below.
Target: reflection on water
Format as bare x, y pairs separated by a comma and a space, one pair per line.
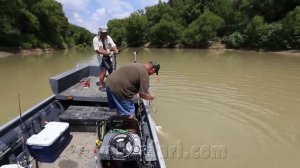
213, 108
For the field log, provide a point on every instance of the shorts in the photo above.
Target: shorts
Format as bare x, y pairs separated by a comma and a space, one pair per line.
105, 64
124, 106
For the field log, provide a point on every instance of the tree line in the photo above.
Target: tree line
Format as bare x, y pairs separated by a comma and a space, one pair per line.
251, 24
38, 24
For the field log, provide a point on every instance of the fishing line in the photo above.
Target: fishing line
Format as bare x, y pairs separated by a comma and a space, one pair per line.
162, 133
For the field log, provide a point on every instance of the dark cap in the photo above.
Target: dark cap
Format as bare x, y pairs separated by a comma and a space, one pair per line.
155, 65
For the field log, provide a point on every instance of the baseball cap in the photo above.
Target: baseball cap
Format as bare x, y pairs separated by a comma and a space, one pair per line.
155, 65
102, 30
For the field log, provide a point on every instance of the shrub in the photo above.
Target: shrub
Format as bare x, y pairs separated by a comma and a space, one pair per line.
26, 45
200, 31
235, 40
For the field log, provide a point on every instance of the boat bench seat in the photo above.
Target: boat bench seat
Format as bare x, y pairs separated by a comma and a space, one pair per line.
86, 115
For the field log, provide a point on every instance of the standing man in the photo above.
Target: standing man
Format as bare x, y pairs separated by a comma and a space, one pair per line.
103, 44
127, 81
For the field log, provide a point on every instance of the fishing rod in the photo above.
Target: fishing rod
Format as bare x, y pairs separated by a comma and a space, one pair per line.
138, 96
21, 124
135, 54
26, 161
114, 56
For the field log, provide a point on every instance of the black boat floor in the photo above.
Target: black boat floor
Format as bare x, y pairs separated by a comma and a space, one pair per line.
78, 154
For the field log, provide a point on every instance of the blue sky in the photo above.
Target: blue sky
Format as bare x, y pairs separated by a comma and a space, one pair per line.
91, 14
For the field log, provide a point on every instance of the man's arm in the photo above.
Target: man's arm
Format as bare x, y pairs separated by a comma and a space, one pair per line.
98, 47
112, 44
115, 49
101, 51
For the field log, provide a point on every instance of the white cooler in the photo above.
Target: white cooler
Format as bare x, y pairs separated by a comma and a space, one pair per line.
11, 166
47, 145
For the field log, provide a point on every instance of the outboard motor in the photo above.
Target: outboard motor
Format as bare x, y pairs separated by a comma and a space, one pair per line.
122, 140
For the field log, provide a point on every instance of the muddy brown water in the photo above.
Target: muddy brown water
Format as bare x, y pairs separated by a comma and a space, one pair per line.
213, 108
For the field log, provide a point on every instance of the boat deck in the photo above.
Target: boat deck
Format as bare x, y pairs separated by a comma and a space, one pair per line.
82, 93
79, 90
78, 153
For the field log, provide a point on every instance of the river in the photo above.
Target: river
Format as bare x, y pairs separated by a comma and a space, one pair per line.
214, 108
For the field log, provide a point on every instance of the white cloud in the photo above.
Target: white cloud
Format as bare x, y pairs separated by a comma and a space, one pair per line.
99, 13
76, 18
113, 9
74, 10
97, 19
74, 5
91, 14
117, 9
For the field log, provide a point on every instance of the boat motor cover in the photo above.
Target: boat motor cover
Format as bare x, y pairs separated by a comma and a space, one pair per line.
108, 151
48, 135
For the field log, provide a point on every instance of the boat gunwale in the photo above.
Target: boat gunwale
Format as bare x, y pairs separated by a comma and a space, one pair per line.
14, 123
160, 157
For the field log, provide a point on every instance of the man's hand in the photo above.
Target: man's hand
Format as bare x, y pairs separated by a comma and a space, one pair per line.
116, 51
152, 97
147, 96
107, 52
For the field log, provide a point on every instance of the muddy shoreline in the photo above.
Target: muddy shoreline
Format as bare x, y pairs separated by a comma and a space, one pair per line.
5, 52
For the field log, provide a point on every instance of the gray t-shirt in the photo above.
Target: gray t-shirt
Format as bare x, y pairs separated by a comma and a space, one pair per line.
129, 80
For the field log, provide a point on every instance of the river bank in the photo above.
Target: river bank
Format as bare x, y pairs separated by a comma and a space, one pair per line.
5, 54
288, 52
9, 52
220, 46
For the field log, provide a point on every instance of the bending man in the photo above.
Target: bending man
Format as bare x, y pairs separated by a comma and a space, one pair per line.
127, 81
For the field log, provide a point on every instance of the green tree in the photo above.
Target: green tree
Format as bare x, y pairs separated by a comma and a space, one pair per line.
166, 33
271, 10
187, 10
254, 31
291, 28
53, 22
10, 33
38, 23
273, 37
117, 31
78, 35
136, 28
235, 40
202, 30
156, 12
263, 35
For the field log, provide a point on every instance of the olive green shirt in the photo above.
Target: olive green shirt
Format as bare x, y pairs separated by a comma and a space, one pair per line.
129, 80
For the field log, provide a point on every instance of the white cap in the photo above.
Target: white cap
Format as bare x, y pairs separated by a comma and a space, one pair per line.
102, 30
